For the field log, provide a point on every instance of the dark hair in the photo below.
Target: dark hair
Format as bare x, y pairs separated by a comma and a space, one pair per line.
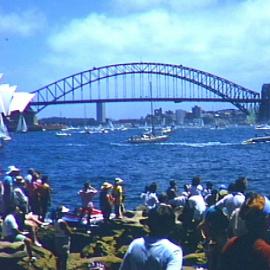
86, 185
231, 187
162, 197
241, 184
44, 178
153, 187
196, 180
161, 219
172, 183
209, 184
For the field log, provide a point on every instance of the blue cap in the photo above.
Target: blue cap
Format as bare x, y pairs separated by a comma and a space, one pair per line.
222, 186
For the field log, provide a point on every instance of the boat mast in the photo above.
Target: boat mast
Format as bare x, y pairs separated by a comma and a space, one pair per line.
152, 111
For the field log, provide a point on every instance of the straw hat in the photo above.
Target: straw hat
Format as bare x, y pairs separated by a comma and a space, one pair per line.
106, 185
11, 169
118, 180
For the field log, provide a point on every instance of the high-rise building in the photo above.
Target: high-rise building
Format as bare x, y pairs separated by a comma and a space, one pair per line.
101, 113
180, 116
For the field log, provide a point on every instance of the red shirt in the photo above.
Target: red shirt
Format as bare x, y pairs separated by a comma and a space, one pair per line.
246, 253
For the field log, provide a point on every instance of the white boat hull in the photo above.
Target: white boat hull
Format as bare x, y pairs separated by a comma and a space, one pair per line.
147, 139
261, 139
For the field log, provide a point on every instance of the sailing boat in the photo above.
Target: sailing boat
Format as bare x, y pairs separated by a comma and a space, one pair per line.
21, 127
4, 135
152, 136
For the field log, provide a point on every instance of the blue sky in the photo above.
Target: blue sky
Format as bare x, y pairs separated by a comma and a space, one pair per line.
42, 41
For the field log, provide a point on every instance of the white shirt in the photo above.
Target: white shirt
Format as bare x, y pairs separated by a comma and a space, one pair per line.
20, 198
152, 254
237, 224
231, 202
151, 200
197, 203
196, 190
179, 200
9, 225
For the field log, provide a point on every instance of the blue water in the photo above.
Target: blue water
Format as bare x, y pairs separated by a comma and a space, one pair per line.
215, 155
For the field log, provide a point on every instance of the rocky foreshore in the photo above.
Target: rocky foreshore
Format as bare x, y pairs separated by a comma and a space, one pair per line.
106, 243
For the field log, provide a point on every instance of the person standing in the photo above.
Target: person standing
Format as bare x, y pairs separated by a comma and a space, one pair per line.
106, 200
172, 190
155, 251
62, 238
87, 194
117, 193
151, 198
45, 196
8, 185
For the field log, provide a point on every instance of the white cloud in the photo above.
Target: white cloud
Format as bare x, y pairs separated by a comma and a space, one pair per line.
25, 23
173, 5
231, 41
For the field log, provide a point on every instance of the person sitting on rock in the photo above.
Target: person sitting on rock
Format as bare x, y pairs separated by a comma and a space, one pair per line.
155, 251
11, 232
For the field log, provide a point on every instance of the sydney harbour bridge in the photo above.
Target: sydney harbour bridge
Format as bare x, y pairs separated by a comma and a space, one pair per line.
129, 82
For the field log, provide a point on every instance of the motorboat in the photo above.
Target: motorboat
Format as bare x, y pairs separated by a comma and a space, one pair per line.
167, 130
258, 139
62, 134
262, 127
148, 138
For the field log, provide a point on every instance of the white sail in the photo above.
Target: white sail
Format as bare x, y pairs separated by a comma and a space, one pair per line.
6, 94
19, 101
3, 130
21, 127
111, 125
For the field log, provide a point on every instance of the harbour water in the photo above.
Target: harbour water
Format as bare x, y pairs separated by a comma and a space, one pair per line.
217, 155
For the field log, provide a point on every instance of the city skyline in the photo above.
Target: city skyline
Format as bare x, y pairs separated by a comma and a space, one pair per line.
42, 42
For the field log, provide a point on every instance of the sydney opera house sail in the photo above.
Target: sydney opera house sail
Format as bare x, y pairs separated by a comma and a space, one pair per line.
19, 101
11, 101
6, 95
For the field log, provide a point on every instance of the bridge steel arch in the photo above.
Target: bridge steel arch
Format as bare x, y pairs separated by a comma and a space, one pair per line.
78, 88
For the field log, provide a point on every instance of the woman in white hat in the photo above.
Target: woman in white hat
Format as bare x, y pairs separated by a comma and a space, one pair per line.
106, 200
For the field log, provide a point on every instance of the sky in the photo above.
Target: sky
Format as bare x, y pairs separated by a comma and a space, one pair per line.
42, 41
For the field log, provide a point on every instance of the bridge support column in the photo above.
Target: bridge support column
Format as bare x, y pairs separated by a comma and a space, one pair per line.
101, 113
264, 111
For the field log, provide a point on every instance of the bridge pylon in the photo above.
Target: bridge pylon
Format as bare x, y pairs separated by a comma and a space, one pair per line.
101, 113
264, 110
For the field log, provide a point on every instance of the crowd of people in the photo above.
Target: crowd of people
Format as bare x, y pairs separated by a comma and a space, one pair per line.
24, 202
230, 223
